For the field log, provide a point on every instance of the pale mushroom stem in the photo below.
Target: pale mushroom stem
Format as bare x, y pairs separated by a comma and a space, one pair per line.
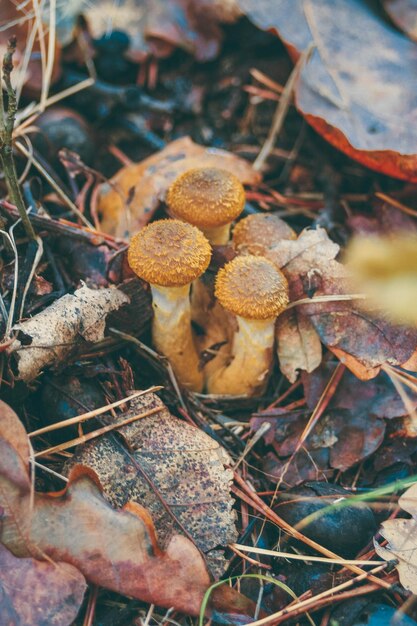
218, 236
252, 354
172, 333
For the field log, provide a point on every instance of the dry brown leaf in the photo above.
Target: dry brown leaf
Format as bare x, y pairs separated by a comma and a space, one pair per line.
404, 14
358, 88
48, 337
299, 346
35, 593
360, 338
128, 201
186, 467
401, 535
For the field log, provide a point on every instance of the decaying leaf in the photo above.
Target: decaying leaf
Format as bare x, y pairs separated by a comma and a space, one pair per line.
361, 338
358, 88
115, 549
401, 535
404, 14
128, 201
35, 593
187, 472
48, 337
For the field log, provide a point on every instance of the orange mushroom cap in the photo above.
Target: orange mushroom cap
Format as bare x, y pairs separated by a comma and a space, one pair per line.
252, 287
255, 233
169, 253
206, 197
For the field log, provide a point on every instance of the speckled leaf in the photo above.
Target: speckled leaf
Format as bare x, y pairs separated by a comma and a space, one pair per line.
186, 468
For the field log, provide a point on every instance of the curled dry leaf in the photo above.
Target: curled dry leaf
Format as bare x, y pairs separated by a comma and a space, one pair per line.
358, 88
48, 337
359, 337
404, 14
186, 468
401, 535
128, 201
35, 593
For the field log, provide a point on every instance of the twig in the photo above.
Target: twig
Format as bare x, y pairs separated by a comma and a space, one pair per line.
281, 110
7, 119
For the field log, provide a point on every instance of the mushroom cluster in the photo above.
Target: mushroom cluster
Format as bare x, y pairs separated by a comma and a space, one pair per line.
250, 292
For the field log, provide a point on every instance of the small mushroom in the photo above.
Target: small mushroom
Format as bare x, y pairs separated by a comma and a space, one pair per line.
257, 233
209, 198
169, 255
254, 290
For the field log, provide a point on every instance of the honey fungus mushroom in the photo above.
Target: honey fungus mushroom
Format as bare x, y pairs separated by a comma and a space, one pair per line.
209, 198
170, 255
257, 233
254, 290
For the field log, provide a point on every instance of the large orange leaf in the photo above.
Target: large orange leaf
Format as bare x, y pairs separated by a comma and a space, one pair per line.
358, 89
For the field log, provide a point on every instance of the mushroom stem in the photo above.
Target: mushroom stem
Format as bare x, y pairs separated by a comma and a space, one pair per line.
172, 333
218, 236
252, 353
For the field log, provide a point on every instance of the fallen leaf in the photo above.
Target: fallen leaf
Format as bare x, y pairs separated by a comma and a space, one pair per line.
115, 549
361, 339
128, 201
48, 337
35, 593
404, 14
401, 535
344, 438
358, 88
187, 472
377, 397
299, 345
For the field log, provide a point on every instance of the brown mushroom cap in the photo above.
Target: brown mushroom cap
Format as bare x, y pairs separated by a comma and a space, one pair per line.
169, 253
252, 287
258, 232
206, 197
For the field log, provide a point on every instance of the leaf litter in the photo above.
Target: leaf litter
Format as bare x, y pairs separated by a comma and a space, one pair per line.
147, 511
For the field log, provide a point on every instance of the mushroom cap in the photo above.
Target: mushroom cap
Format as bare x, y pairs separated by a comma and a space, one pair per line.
256, 233
252, 287
207, 197
169, 253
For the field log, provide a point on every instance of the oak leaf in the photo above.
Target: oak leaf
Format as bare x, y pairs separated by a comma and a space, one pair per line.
357, 89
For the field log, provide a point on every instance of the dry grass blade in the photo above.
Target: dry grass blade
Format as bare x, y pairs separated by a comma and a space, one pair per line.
281, 110
302, 557
399, 381
96, 433
90, 414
